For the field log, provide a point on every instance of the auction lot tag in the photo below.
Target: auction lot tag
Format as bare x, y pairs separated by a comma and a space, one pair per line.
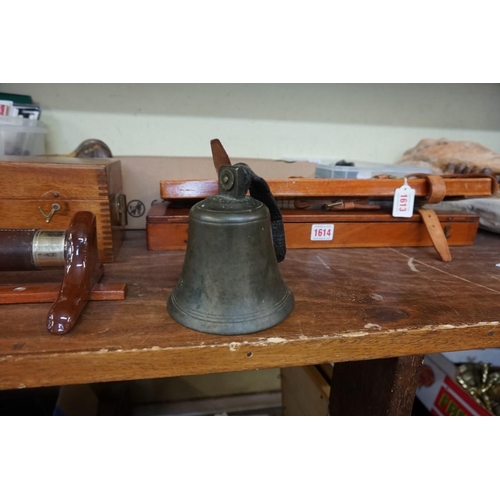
404, 199
321, 232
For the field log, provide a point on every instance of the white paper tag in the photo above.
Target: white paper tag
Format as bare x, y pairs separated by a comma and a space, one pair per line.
404, 199
321, 232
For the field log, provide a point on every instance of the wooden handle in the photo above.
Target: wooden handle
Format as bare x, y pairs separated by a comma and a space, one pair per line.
219, 155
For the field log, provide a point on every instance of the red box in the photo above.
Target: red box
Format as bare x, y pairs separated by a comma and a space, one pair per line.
441, 394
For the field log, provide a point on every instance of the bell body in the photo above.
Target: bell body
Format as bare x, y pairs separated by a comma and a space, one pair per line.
230, 282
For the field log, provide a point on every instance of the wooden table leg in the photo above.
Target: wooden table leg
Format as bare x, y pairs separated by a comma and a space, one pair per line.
375, 387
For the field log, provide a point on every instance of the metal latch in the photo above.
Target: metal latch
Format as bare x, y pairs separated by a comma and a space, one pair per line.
47, 217
118, 207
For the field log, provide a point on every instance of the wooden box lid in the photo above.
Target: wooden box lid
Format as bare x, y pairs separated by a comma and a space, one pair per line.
164, 213
454, 186
29, 177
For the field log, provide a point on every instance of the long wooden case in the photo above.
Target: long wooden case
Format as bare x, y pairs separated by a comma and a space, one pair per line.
347, 225
470, 186
167, 228
30, 187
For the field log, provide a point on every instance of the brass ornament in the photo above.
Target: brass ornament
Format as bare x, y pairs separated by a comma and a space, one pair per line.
482, 382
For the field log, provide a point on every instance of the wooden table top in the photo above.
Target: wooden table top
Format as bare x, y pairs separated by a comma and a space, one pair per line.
351, 304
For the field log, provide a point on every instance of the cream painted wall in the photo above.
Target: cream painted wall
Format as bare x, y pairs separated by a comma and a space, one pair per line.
372, 122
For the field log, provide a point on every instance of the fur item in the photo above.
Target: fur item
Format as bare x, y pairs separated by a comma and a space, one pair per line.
452, 157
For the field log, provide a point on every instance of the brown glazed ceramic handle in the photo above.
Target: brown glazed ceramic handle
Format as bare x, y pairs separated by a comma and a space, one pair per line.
81, 272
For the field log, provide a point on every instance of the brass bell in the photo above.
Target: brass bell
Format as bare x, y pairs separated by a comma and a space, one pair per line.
230, 282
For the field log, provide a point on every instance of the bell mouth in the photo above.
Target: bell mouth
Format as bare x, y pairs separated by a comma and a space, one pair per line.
228, 325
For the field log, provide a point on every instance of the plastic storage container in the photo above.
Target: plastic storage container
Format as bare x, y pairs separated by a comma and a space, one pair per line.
328, 169
21, 136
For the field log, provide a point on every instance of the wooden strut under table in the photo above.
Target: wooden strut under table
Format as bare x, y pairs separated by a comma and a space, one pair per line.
74, 249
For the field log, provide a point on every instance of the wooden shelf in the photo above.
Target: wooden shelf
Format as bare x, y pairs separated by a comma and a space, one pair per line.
351, 304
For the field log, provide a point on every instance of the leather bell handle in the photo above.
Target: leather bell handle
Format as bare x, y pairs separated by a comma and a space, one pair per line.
259, 189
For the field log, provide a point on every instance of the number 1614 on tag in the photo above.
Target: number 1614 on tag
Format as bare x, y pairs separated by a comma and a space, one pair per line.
321, 232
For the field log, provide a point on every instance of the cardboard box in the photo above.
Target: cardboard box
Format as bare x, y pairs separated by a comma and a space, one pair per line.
441, 394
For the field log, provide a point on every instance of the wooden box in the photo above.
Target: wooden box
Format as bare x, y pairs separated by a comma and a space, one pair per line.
44, 193
451, 186
167, 228
305, 390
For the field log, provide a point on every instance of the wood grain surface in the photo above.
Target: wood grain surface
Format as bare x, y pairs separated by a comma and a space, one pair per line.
27, 216
383, 387
351, 304
70, 178
167, 228
302, 187
34, 184
30, 294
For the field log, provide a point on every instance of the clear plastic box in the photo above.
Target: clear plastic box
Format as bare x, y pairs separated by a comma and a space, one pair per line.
21, 136
327, 169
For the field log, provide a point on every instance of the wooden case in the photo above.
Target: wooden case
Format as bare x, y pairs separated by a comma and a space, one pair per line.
32, 187
467, 186
167, 228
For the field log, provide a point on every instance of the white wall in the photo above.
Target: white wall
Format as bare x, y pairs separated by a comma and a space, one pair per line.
373, 122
